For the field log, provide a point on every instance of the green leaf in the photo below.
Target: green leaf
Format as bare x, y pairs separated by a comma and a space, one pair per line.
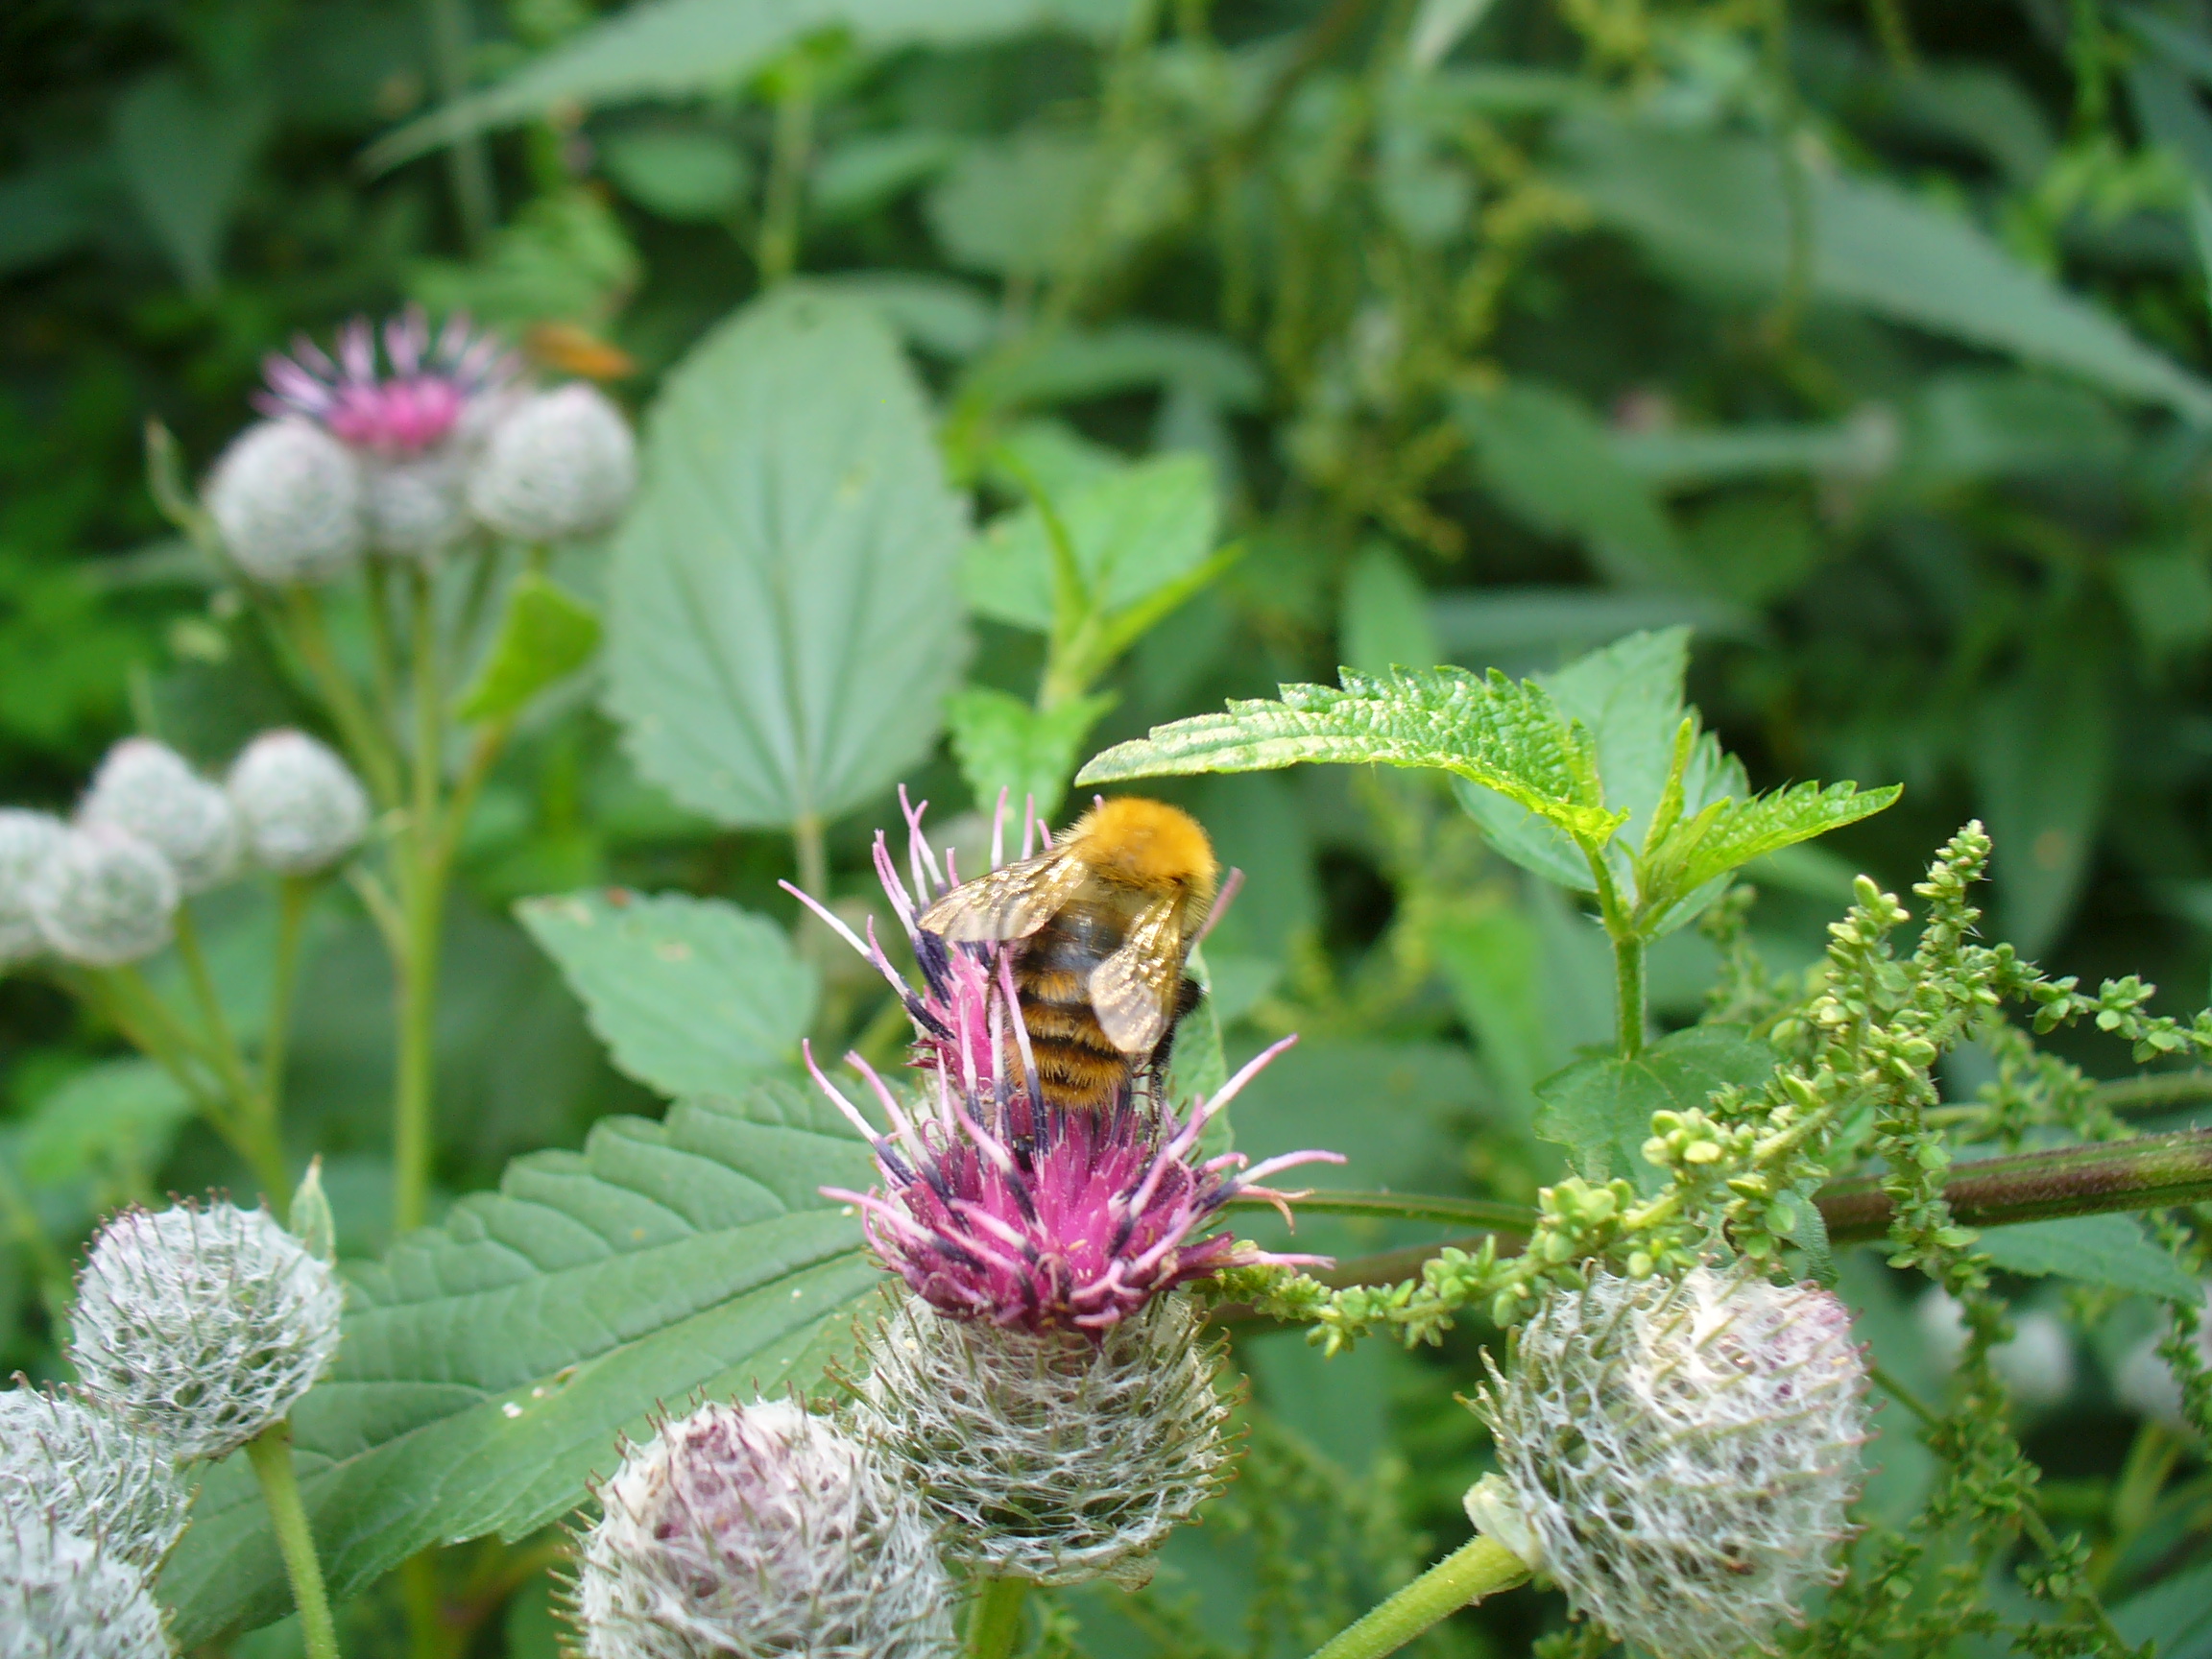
690, 995
1716, 210
1386, 622
488, 1366
1491, 730
545, 635
1069, 365
563, 256
1014, 208
2111, 1250
184, 157
119, 1114
1004, 743
1601, 1107
940, 314
785, 622
1552, 464
2176, 1613
1197, 1066
1133, 533
1439, 26
1546, 625
677, 49
1703, 848
681, 173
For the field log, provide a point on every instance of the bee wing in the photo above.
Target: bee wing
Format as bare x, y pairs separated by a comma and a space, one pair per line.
1133, 990
1011, 903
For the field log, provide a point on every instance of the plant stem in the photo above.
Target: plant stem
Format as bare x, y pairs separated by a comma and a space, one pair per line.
1478, 1568
467, 163
371, 751
270, 1453
2155, 1091
994, 1619
294, 893
1407, 1206
777, 249
415, 1082
1629, 982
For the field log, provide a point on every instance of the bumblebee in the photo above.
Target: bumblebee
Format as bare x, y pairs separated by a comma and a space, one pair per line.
1104, 920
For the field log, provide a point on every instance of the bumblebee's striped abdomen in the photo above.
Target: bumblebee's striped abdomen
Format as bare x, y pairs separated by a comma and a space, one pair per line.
1077, 1066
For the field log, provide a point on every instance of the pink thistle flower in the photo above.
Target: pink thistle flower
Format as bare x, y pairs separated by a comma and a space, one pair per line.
424, 394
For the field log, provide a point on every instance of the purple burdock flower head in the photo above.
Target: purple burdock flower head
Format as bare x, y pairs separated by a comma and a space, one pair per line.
1001, 1205
411, 403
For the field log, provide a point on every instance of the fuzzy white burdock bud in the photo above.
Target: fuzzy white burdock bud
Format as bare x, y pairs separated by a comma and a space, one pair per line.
1678, 1454
26, 840
64, 1596
290, 502
147, 790
94, 1475
417, 505
746, 1530
1054, 1456
301, 809
204, 1326
103, 897
559, 465
2037, 1362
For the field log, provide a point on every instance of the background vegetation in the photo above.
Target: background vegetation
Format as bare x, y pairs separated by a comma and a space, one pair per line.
1868, 340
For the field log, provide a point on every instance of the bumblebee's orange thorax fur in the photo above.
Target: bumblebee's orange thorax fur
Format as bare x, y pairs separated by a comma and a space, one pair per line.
1145, 844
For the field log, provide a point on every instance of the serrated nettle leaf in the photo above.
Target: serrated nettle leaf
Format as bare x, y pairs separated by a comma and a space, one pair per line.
2111, 1250
1600, 1107
1507, 737
545, 635
784, 618
1003, 743
1132, 533
1682, 874
487, 1366
690, 995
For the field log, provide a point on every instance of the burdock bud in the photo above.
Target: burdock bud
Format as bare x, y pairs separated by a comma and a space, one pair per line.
26, 840
92, 1474
289, 501
149, 790
103, 897
416, 507
301, 809
2037, 1362
204, 1326
758, 1530
1680, 1453
64, 1596
1050, 1456
561, 463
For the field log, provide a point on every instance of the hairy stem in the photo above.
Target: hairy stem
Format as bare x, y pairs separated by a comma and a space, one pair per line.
1478, 1568
994, 1619
270, 1454
424, 903
1406, 1206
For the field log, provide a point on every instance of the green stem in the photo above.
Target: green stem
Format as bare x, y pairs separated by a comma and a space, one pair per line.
2154, 1091
812, 852
370, 750
994, 1619
415, 1082
1478, 1568
777, 249
467, 162
270, 1454
1407, 1206
251, 1113
294, 894
1628, 991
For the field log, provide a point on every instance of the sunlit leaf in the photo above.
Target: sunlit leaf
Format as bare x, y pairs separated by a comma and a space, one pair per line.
2109, 1250
1003, 743
545, 635
1601, 1107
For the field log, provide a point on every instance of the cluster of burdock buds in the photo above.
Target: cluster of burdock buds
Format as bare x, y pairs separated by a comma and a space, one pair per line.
1678, 1454
408, 451
103, 890
1040, 1405
195, 1328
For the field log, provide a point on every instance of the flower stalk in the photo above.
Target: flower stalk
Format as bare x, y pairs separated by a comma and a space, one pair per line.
270, 1454
1478, 1568
994, 1619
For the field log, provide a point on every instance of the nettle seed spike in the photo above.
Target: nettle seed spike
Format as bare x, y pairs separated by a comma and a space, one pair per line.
203, 1326
1682, 1453
745, 1531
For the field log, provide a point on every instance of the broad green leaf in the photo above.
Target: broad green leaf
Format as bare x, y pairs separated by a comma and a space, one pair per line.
488, 1366
940, 314
862, 174
184, 155
1701, 849
784, 619
1197, 1067
49, 209
1045, 455
1552, 464
1004, 743
545, 635
2176, 1613
1716, 210
1384, 623
1601, 1107
674, 49
1016, 209
119, 1114
681, 173
1491, 963
1506, 736
1133, 534
2111, 1250
1070, 365
690, 995
1980, 423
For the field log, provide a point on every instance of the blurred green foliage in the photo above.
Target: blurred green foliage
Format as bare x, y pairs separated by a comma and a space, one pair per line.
1864, 337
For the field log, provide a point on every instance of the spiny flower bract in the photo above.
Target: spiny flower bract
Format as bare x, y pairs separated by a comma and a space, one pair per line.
149, 790
94, 1474
746, 1531
103, 897
1684, 1451
203, 1325
64, 1597
1050, 1456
